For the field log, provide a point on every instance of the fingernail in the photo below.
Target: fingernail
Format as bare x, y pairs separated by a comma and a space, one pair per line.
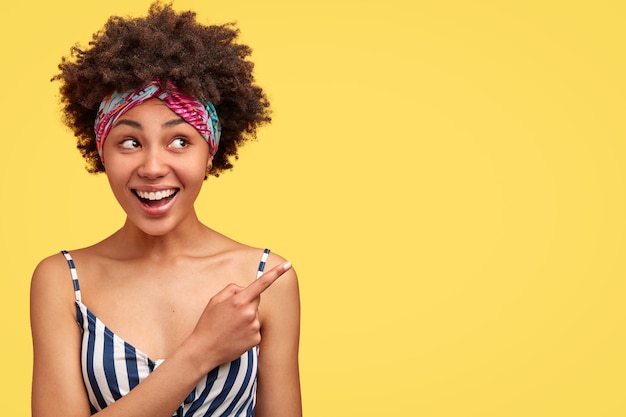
287, 266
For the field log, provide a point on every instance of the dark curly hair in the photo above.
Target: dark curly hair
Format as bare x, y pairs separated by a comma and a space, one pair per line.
203, 61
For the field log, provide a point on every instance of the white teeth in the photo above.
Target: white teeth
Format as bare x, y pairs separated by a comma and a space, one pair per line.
153, 196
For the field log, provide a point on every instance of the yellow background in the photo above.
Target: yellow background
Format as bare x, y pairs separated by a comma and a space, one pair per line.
447, 177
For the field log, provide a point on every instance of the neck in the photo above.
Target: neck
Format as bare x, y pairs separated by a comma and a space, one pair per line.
188, 238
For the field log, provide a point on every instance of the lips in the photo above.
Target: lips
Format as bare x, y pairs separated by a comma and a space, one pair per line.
156, 198
155, 195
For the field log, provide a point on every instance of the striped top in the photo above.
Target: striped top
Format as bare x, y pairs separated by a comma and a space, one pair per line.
111, 367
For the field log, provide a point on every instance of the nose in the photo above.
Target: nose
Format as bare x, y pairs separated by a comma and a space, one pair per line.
154, 164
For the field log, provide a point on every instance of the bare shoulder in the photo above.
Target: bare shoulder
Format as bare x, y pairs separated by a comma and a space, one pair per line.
51, 282
267, 259
250, 260
283, 294
275, 260
57, 264
51, 270
51, 263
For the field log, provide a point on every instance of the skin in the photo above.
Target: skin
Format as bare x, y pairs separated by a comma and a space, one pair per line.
195, 286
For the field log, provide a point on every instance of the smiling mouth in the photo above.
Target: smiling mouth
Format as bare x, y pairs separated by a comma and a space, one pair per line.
156, 198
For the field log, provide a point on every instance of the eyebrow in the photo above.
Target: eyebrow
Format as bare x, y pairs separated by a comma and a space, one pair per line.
128, 122
135, 124
173, 122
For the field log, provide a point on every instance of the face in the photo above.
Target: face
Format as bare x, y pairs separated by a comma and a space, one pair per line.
156, 164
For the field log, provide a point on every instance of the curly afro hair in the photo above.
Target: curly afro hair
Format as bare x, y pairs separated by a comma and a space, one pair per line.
203, 61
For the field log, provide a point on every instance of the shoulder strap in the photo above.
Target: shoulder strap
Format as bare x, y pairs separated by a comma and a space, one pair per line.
266, 253
70, 263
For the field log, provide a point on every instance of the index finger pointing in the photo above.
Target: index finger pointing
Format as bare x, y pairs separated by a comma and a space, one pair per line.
262, 283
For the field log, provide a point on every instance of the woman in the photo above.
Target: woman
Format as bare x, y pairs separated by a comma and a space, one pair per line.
163, 317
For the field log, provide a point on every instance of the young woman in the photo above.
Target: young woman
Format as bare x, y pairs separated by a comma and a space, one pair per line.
164, 317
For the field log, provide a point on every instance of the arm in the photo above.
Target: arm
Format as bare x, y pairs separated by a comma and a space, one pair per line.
278, 391
228, 327
57, 388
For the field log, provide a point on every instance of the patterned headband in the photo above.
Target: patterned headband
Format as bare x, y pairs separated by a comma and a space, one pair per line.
201, 115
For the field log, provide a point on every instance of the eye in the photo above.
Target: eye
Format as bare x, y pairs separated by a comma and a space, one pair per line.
129, 143
180, 143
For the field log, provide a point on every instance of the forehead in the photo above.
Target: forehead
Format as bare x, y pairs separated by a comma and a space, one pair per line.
151, 107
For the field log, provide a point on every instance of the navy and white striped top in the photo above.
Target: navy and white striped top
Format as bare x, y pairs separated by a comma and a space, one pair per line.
111, 367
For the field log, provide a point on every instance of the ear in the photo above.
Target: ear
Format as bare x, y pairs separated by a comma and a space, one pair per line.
209, 165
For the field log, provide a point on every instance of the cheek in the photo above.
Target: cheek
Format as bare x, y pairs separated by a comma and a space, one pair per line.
117, 185
112, 172
192, 172
116, 175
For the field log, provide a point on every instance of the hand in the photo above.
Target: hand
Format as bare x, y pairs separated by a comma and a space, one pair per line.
229, 325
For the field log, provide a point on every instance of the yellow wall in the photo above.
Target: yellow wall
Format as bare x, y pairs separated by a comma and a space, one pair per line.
447, 177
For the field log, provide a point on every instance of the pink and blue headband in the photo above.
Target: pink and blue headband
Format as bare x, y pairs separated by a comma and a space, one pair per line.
201, 115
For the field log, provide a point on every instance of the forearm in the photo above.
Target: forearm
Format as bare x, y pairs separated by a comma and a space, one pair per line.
162, 392
60, 393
